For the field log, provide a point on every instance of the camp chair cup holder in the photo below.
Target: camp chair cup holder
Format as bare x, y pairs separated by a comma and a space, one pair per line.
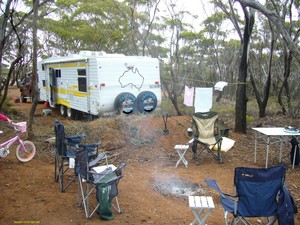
190, 132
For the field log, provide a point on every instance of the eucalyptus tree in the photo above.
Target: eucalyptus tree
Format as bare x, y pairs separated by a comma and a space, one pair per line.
174, 76
215, 41
280, 15
142, 18
14, 36
110, 26
85, 25
221, 50
13, 39
260, 68
245, 35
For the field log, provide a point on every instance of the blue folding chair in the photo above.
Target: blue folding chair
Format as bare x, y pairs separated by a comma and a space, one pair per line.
257, 192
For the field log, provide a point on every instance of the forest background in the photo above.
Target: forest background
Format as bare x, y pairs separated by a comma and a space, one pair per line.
252, 45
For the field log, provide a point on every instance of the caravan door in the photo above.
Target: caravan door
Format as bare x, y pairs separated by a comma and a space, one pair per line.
52, 86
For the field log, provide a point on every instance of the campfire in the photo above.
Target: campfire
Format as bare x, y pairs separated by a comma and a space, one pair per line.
177, 187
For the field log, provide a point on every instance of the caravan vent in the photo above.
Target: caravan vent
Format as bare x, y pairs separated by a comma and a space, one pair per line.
91, 53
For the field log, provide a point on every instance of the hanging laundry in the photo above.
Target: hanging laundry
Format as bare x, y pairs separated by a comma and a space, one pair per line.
188, 96
220, 85
203, 99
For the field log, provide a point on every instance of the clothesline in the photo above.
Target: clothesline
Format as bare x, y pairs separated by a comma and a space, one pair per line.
200, 98
206, 82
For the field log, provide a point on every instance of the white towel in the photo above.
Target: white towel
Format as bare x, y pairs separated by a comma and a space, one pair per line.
203, 99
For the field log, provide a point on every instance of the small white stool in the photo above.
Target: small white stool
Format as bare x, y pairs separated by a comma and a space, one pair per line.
181, 150
201, 206
47, 112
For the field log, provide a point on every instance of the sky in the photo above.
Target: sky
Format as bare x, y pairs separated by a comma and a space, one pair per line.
200, 8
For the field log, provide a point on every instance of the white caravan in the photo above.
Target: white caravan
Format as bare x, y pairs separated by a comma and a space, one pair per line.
97, 83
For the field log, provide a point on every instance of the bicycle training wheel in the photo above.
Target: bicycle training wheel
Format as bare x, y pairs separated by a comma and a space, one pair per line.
25, 155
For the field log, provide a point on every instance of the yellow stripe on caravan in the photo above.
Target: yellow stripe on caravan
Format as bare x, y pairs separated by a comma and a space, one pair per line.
67, 65
69, 91
78, 94
63, 91
61, 101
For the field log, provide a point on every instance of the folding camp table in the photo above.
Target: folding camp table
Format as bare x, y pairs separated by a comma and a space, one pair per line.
201, 206
181, 150
266, 133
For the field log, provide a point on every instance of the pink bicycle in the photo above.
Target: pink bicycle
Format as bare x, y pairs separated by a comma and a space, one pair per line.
25, 150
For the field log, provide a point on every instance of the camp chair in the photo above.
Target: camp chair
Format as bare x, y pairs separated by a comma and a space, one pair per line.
97, 177
206, 133
65, 154
256, 191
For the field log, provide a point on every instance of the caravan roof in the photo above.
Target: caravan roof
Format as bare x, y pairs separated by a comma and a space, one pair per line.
84, 55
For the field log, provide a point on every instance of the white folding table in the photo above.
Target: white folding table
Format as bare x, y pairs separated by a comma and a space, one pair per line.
201, 206
268, 133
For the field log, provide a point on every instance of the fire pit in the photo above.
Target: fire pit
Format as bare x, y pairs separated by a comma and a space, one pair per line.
177, 187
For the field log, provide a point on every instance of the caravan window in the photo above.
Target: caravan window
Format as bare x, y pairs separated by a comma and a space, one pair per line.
82, 84
57, 73
81, 72
82, 80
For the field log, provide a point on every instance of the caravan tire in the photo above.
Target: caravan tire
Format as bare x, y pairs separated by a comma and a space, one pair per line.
125, 102
63, 110
71, 113
146, 102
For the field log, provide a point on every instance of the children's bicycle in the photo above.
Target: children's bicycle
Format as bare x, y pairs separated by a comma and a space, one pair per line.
25, 150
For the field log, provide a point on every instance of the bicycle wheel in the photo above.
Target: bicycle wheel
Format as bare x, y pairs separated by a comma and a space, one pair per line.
25, 155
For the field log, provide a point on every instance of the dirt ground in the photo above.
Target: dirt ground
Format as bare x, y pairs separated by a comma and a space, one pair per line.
29, 194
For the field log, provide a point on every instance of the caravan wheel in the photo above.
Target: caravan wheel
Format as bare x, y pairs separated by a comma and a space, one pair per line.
146, 102
71, 113
63, 110
125, 102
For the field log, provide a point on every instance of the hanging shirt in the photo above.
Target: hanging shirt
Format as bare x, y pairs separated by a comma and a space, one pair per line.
188, 96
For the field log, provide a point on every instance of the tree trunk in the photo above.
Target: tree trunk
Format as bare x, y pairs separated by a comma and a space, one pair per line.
2, 38
262, 100
35, 99
241, 96
12, 66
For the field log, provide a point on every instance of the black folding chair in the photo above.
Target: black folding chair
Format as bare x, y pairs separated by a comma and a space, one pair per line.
65, 147
97, 177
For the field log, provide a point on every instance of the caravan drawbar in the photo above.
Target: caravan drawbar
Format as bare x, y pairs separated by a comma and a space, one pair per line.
97, 83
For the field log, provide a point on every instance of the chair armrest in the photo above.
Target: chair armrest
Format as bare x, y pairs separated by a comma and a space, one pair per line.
74, 139
118, 171
214, 185
90, 147
224, 132
96, 160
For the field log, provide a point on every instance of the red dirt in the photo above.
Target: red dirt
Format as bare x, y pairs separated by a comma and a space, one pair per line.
29, 194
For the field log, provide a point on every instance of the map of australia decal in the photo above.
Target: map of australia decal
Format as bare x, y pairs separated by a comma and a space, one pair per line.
131, 77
